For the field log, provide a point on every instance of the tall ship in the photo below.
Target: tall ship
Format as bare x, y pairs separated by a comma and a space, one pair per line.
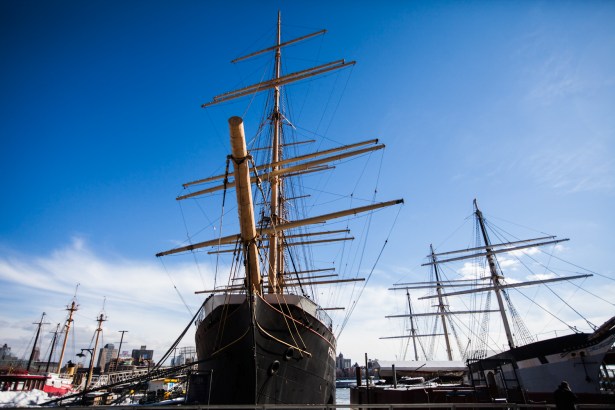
526, 369
262, 337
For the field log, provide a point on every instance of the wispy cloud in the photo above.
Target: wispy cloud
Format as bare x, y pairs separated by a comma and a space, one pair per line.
143, 297
554, 78
586, 168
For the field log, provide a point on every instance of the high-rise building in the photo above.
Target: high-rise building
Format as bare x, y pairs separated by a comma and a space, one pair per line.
142, 356
341, 363
106, 355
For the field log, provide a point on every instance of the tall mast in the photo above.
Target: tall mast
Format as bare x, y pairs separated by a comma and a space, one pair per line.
245, 207
495, 278
275, 254
72, 309
38, 332
100, 319
412, 328
441, 307
119, 349
53, 345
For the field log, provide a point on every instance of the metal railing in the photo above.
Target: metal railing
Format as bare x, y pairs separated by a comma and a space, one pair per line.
450, 406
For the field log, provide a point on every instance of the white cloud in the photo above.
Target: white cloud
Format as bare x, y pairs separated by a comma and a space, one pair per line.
526, 251
472, 270
541, 276
139, 296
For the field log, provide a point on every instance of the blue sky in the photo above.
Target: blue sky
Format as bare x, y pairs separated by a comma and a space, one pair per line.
508, 102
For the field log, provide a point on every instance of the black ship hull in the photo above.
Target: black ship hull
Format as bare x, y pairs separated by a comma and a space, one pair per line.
262, 351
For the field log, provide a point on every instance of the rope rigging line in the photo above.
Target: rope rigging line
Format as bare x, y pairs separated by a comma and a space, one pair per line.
432, 341
364, 234
522, 332
457, 340
548, 269
586, 270
189, 240
551, 255
574, 329
292, 261
225, 183
481, 348
292, 319
27, 348
325, 107
175, 287
452, 318
591, 325
354, 304
253, 96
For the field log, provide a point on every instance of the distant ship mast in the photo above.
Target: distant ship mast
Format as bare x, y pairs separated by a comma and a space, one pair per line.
71, 310
489, 251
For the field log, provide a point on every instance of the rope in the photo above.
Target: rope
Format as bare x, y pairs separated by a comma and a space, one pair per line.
175, 287
221, 219
295, 320
354, 304
282, 341
230, 344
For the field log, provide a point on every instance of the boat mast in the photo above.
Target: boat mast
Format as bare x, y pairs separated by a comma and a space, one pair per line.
53, 345
495, 278
72, 309
441, 307
243, 191
100, 319
412, 329
275, 252
38, 332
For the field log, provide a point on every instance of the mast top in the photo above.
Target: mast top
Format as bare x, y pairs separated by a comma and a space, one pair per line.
279, 43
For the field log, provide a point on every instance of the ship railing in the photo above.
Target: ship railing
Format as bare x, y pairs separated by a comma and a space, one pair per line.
116, 377
324, 318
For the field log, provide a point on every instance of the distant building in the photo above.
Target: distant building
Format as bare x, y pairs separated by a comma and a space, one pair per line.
341, 363
36, 354
186, 355
106, 355
5, 353
7, 359
142, 356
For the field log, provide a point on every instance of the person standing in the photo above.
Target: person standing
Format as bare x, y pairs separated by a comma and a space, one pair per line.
565, 399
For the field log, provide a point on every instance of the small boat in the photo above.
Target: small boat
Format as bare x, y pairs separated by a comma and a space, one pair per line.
262, 338
57, 384
52, 383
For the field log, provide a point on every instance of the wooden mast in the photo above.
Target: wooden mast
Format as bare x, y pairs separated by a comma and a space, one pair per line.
275, 252
38, 332
412, 329
100, 319
72, 309
276, 170
244, 202
495, 278
53, 345
441, 307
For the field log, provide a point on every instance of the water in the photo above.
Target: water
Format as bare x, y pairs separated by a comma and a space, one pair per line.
342, 396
